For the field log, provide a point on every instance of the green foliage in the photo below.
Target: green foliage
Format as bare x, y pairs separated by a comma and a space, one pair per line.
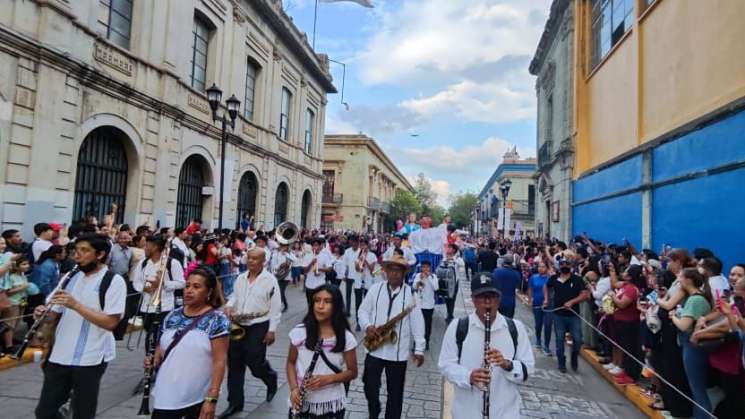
462, 208
435, 211
403, 203
423, 191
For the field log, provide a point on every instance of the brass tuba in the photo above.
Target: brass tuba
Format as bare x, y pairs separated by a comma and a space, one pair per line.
287, 233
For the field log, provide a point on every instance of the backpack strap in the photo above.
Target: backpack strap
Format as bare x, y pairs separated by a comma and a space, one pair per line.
103, 287
513, 334
461, 331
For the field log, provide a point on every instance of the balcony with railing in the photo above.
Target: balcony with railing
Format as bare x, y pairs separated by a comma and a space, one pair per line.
332, 198
373, 203
544, 153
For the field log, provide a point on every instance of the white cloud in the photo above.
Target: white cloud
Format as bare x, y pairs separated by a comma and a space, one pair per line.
449, 36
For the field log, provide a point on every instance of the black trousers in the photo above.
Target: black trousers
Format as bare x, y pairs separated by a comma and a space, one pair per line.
191, 412
450, 302
507, 311
395, 375
309, 295
359, 294
60, 380
427, 313
248, 352
282, 288
348, 300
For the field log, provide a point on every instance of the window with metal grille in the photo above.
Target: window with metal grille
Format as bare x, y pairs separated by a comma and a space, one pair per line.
611, 19
101, 178
116, 19
284, 117
247, 190
199, 50
280, 204
252, 72
310, 121
189, 198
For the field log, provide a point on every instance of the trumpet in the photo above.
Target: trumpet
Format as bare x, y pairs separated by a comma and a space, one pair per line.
361, 259
61, 285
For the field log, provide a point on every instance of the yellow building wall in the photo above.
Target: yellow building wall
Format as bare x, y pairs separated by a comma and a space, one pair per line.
681, 60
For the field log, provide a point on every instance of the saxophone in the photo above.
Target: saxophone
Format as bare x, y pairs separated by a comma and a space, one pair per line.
386, 332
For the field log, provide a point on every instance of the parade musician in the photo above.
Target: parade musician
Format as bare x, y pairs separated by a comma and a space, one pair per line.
88, 308
256, 294
509, 358
384, 301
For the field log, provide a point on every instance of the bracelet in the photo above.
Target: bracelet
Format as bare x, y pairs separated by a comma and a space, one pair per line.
209, 399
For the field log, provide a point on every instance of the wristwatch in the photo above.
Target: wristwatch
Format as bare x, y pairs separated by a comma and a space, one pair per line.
209, 399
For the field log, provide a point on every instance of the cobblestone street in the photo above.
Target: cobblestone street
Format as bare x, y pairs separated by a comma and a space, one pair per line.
548, 394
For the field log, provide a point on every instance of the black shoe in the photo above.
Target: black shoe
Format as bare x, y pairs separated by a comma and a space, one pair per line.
271, 390
575, 363
358, 328
426, 348
563, 369
349, 314
230, 411
448, 320
284, 309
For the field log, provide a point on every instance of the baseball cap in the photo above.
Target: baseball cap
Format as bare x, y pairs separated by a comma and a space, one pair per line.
483, 283
55, 226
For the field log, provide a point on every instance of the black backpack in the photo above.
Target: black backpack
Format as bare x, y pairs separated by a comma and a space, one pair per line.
121, 327
461, 332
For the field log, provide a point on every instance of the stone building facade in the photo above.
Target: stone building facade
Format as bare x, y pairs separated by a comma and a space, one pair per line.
360, 181
554, 67
520, 201
103, 101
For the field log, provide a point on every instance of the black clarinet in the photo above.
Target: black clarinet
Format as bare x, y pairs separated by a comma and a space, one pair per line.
47, 308
296, 414
487, 340
154, 332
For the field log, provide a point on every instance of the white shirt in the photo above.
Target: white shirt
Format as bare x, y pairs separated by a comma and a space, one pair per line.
340, 267
178, 387
278, 258
426, 294
183, 248
40, 246
408, 255
313, 280
350, 258
257, 297
299, 258
504, 397
382, 303
79, 342
430, 240
330, 398
365, 279
171, 283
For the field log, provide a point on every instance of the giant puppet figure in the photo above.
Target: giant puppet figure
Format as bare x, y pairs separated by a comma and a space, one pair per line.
428, 242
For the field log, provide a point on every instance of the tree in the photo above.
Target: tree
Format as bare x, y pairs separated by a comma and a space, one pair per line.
403, 203
462, 207
436, 212
423, 191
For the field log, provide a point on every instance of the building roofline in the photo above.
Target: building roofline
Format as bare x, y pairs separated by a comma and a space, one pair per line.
527, 166
558, 7
295, 41
362, 139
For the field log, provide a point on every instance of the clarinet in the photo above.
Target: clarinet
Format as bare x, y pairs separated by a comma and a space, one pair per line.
47, 308
154, 332
308, 374
487, 340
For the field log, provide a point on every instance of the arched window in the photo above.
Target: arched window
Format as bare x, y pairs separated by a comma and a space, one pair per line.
190, 183
305, 210
101, 178
247, 191
280, 204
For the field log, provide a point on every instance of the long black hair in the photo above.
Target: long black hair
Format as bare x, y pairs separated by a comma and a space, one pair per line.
50, 253
338, 319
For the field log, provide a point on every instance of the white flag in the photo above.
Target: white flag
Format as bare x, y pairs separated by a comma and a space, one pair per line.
365, 3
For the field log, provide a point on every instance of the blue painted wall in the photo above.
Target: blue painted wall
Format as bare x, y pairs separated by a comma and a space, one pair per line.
624, 175
706, 211
711, 146
611, 220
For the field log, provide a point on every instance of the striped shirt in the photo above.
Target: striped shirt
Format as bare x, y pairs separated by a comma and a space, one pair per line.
79, 342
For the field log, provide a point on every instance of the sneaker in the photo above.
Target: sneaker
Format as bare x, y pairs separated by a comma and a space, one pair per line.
609, 366
616, 371
623, 379
547, 352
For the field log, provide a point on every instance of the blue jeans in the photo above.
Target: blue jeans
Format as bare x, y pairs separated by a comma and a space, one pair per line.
696, 365
562, 325
543, 325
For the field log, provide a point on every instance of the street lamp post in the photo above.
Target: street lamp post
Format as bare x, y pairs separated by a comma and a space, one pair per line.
214, 96
505, 188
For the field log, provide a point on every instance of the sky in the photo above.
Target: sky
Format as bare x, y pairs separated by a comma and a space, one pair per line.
442, 85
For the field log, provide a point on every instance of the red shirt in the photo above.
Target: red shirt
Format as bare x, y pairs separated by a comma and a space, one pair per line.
211, 259
630, 313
